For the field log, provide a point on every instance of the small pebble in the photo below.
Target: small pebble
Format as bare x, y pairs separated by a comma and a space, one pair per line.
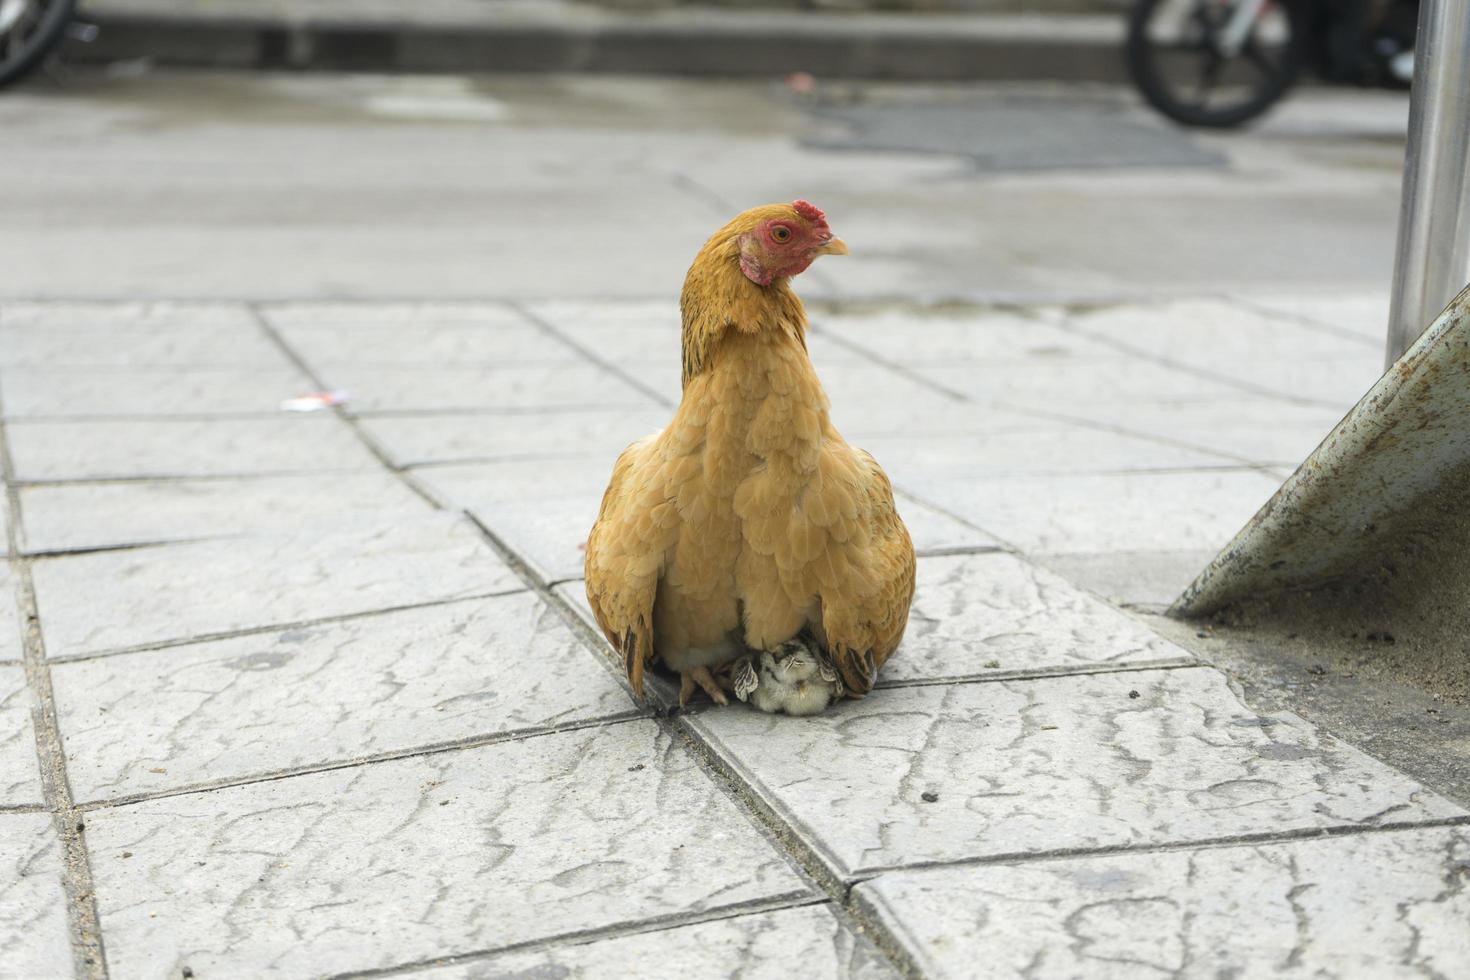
929, 797
1317, 669
1134, 695
637, 768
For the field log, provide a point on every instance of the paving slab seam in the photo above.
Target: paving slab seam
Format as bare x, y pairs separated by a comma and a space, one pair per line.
176, 477
1122, 430
24, 808
46, 554
964, 549
430, 464
369, 443
486, 410
1232, 840
873, 357
546, 327
1066, 323
83, 925
144, 416
1044, 673
1317, 326
905, 494
583, 937
68, 658
411, 752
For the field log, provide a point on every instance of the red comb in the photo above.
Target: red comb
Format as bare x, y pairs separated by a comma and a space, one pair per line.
808, 210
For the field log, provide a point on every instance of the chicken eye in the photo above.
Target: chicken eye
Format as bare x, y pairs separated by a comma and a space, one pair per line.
781, 234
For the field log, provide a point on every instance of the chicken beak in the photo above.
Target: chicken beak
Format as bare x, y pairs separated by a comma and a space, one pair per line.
833, 246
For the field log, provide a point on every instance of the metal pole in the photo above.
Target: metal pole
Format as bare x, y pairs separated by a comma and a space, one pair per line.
1433, 260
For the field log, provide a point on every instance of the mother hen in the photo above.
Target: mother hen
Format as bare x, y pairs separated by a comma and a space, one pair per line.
748, 522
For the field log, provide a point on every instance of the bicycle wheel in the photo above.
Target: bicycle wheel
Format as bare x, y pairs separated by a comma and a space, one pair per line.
1180, 57
29, 30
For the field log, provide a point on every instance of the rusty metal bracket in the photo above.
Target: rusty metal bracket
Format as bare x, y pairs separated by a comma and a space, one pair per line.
1382, 504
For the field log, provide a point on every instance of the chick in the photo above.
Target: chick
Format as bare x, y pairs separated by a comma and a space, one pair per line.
795, 678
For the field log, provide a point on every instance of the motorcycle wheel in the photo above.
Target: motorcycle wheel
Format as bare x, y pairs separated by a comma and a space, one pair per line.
29, 30
1176, 64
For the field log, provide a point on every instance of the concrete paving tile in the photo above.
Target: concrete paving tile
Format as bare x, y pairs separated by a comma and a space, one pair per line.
932, 530
550, 535
1152, 579
10, 636
942, 337
415, 439
97, 450
1024, 767
183, 716
20, 777
1056, 448
1362, 314
428, 856
1256, 429
141, 346
390, 313
1098, 513
497, 342
1210, 333
509, 481
110, 600
1389, 905
978, 613
122, 317
570, 384
98, 515
35, 941
1070, 387
80, 393
1334, 383
808, 942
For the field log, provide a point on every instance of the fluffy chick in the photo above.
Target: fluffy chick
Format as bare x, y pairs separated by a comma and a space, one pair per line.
795, 678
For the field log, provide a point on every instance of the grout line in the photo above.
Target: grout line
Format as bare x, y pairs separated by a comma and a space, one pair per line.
70, 658
89, 961
1044, 673
370, 443
413, 752
608, 366
874, 357
1068, 324
150, 478
1229, 840
584, 937
958, 550
1306, 322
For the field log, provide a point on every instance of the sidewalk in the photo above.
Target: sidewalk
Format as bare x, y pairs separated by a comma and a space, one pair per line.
557, 35
315, 695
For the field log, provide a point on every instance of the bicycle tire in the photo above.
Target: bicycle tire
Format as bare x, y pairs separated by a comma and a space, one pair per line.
42, 42
1155, 89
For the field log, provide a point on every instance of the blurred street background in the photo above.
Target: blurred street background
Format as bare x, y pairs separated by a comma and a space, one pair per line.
316, 694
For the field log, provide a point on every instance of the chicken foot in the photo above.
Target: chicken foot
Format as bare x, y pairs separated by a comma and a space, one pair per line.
703, 678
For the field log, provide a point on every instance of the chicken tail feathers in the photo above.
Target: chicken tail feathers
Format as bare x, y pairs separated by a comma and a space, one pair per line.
634, 647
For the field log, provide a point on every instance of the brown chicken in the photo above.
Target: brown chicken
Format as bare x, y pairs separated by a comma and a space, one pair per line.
748, 521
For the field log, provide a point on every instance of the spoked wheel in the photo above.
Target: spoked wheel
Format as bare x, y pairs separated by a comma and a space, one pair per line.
1215, 62
29, 29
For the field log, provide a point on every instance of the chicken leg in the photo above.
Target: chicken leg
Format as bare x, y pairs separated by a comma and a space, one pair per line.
703, 678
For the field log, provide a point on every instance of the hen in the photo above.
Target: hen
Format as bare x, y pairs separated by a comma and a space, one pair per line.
748, 522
